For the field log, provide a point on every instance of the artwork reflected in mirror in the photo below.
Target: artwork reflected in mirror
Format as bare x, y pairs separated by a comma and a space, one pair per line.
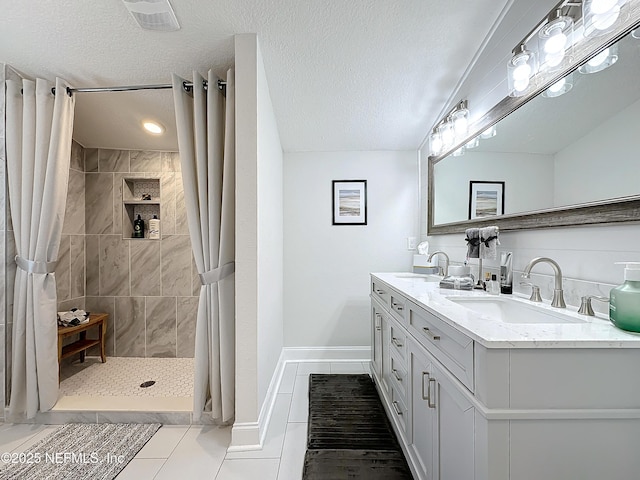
486, 199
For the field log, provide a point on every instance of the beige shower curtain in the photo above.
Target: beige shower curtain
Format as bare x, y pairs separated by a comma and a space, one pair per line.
206, 139
38, 139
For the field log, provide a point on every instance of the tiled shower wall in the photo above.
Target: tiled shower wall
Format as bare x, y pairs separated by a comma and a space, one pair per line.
149, 287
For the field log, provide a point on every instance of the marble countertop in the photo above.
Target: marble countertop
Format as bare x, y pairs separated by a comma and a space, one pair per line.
586, 332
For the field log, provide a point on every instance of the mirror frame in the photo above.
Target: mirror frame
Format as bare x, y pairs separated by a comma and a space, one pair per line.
622, 209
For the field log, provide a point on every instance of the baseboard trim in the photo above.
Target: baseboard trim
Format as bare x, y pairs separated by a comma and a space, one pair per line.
327, 354
249, 436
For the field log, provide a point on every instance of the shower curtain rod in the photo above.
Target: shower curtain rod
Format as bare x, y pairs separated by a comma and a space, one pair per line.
188, 86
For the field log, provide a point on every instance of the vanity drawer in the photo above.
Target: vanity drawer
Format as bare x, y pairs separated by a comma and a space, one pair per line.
398, 308
399, 411
450, 346
381, 292
398, 377
399, 341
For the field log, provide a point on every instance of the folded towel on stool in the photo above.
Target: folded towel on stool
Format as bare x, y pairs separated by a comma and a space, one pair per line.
488, 242
72, 318
473, 242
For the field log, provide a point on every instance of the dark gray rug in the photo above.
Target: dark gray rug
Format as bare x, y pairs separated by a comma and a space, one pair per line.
349, 434
79, 451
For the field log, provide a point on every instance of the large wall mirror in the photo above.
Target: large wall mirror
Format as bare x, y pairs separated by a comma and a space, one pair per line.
560, 160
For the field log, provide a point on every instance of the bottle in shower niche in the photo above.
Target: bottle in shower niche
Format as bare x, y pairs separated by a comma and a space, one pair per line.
154, 228
138, 228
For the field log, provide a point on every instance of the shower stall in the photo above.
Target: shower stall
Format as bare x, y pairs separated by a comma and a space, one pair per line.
148, 287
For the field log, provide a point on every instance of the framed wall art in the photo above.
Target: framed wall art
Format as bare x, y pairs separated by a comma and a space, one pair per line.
349, 205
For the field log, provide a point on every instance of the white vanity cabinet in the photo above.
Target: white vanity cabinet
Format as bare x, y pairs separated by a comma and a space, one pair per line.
472, 400
442, 444
435, 422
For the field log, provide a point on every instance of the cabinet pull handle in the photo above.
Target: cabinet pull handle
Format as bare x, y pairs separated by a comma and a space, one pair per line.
378, 321
397, 306
396, 408
430, 334
378, 328
425, 396
396, 342
430, 402
379, 291
395, 374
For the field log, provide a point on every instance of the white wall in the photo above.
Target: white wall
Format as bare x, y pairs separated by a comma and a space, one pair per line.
585, 254
270, 237
258, 241
529, 182
326, 267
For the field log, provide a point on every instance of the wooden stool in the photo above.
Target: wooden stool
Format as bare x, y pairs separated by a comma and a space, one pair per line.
83, 343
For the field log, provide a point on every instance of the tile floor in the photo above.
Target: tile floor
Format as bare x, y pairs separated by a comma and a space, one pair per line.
115, 385
200, 451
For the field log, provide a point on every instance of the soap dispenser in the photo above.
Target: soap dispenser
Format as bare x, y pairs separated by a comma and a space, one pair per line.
138, 228
624, 300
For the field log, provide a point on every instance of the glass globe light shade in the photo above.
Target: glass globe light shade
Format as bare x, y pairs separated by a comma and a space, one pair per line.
601, 16
520, 68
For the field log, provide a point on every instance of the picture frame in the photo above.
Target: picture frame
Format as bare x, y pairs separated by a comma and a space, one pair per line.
349, 202
486, 199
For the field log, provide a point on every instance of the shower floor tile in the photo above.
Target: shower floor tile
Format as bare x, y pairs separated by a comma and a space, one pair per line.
115, 385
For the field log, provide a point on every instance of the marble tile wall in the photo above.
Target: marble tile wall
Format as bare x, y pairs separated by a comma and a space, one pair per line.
149, 287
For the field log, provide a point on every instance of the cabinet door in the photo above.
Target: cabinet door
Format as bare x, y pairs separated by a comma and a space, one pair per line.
423, 415
377, 342
386, 355
455, 425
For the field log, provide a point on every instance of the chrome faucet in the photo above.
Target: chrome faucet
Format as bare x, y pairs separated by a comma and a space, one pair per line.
446, 261
558, 296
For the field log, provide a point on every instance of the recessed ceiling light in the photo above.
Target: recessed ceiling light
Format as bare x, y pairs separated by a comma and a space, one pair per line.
153, 128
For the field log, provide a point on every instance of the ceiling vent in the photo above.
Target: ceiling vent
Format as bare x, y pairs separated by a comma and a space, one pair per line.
153, 14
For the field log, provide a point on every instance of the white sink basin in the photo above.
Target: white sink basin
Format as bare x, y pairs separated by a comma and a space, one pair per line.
512, 310
418, 277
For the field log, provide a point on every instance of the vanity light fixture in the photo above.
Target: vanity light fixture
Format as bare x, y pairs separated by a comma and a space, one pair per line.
447, 134
435, 142
520, 69
450, 130
602, 60
154, 128
460, 119
556, 38
600, 16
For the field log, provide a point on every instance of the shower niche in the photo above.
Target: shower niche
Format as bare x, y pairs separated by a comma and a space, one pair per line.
140, 196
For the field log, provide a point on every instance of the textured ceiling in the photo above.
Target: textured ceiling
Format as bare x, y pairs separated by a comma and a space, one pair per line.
343, 75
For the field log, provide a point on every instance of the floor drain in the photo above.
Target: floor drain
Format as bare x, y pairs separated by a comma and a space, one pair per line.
148, 383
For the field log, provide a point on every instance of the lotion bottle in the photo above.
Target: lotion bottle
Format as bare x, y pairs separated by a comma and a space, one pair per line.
154, 228
624, 300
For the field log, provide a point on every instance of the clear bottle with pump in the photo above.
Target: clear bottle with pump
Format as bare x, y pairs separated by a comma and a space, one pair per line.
624, 300
493, 287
